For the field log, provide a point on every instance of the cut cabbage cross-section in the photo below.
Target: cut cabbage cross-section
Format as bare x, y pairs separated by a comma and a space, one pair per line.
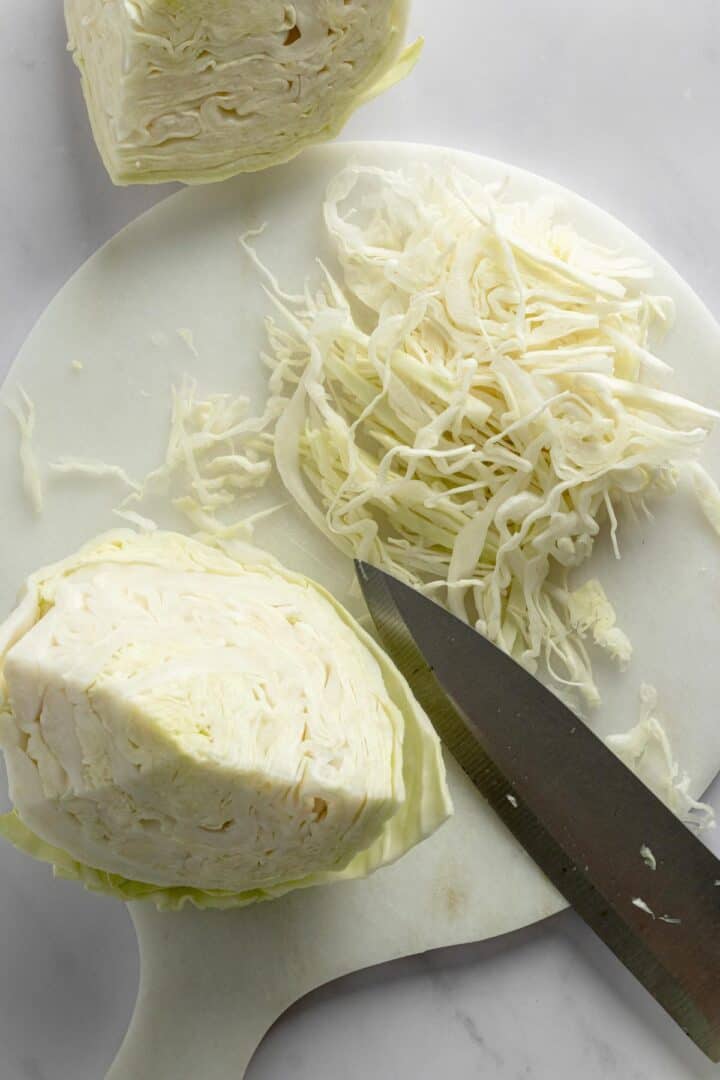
198, 90
193, 721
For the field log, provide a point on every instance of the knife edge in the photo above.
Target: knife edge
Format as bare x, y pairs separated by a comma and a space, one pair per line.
682, 971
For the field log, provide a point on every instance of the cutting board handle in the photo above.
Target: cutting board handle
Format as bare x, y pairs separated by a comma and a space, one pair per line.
211, 985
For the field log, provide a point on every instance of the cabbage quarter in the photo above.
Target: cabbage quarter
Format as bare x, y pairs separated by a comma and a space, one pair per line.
183, 724
198, 90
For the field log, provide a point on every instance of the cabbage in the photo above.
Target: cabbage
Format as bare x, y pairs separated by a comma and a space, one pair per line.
646, 750
589, 610
708, 495
24, 413
198, 90
647, 856
472, 401
185, 724
96, 470
217, 456
139, 521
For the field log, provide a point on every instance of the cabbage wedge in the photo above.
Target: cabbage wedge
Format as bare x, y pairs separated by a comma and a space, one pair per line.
185, 724
198, 90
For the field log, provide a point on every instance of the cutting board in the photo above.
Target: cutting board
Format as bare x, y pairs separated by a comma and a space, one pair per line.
212, 983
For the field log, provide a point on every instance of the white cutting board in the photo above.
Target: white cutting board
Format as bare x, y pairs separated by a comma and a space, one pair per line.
212, 983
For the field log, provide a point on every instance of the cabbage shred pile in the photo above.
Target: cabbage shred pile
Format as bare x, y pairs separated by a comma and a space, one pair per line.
472, 401
217, 456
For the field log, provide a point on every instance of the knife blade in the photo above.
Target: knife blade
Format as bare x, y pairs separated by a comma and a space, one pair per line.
572, 804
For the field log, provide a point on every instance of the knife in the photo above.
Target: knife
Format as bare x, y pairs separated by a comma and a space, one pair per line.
572, 804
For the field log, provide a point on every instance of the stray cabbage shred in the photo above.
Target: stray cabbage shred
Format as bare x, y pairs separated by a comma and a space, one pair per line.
189, 723
646, 750
472, 401
708, 494
24, 412
217, 456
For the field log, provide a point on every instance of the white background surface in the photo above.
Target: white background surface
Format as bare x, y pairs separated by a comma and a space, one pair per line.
618, 101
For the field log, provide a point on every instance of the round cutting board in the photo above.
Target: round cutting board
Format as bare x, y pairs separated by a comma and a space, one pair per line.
212, 983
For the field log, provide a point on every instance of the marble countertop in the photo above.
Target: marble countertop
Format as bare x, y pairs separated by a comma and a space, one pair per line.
618, 101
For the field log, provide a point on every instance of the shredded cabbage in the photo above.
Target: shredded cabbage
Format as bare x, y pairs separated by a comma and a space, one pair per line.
646, 749
217, 456
708, 495
647, 856
590, 610
472, 400
186, 724
24, 413
142, 523
186, 335
197, 90
94, 470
